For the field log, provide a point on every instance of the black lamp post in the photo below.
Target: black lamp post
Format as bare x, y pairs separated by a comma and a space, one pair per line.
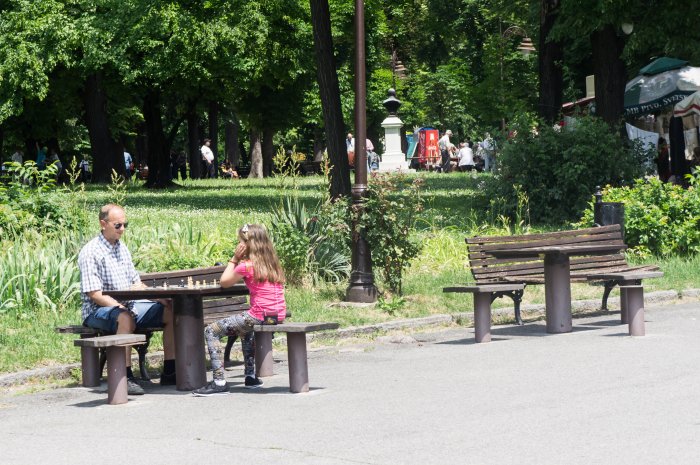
362, 288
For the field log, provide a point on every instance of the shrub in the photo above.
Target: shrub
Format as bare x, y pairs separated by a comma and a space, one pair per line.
660, 218
388, 223
559, 169
31, 202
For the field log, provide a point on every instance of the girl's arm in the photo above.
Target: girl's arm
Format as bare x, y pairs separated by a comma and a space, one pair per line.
229, 277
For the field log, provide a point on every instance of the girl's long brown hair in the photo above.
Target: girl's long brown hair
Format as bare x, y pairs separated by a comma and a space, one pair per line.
266, 264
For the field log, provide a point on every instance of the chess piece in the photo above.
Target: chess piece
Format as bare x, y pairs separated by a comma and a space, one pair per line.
198, 284
182, 283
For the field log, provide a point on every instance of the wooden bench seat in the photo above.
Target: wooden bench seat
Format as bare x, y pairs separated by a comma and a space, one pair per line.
608, 269
296, 348
115, 346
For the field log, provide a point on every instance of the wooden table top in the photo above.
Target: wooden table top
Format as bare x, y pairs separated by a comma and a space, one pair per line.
171, 291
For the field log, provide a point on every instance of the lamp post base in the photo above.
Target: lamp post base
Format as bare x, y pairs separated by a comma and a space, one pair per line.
361, 292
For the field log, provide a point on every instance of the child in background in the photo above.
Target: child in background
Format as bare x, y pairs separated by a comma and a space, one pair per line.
255, 262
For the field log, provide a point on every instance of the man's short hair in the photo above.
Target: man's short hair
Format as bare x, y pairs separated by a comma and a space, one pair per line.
207, 140
104, 211
448, 132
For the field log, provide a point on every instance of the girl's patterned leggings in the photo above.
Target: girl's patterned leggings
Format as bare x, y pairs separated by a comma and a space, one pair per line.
240, 325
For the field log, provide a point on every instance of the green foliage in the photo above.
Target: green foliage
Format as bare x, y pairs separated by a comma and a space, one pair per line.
312, 246
388, 223
660, 218
31, 202
39, 274
559, 169
174, 246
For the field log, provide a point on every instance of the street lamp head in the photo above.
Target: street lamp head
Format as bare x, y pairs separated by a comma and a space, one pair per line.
627, 28
526, 46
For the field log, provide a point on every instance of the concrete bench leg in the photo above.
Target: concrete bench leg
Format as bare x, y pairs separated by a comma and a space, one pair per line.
90, 366
635, 310
298, 363
116, 375
263, 354
482, 316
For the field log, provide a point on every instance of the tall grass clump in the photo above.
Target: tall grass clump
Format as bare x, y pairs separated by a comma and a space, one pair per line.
36, 277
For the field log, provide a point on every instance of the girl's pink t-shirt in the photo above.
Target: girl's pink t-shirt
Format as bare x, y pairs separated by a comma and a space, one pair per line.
265, 297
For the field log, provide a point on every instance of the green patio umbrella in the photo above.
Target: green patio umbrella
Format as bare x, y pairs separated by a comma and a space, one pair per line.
662, 64
649, 94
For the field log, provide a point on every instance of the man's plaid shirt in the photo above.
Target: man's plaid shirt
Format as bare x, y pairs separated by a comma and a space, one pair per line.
104, 267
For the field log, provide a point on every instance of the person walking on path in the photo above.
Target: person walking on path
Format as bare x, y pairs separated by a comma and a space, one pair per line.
256, 263
208, 158
105, 265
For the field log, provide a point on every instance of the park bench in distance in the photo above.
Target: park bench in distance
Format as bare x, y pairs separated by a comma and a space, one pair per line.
498, 277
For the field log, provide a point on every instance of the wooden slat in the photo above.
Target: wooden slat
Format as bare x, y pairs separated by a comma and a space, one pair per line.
295, 327
607, 239
551, 235
493, 262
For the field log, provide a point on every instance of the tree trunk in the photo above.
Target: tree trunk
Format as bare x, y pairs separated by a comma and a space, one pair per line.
105, 151
194, 155
610, 74
158, 157
214, 133
550, 56
141, 145
256, 157
233, 153
329, 90
318, 143
268, 152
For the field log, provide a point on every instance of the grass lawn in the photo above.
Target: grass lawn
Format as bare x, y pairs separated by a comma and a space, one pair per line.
456, 207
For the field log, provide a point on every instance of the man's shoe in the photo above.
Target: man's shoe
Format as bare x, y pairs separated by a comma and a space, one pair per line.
133, 389
251, 382
211, 389
168, 379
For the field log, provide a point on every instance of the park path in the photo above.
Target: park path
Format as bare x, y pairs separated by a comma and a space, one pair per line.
593, 396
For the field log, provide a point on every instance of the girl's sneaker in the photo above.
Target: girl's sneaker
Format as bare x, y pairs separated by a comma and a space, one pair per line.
252, 382
211, 389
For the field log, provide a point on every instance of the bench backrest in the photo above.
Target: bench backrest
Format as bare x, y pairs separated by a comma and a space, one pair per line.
486, 268
214, 308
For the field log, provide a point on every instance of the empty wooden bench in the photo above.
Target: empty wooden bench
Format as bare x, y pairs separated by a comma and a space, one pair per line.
115, 346
513, 274
296, 349
214, 309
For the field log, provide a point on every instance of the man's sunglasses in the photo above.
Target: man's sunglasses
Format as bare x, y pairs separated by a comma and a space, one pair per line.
120, 225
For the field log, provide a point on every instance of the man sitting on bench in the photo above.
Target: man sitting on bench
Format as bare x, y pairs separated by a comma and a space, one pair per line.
105, 264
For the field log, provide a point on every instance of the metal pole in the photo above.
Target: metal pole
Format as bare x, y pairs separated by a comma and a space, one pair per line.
361, 287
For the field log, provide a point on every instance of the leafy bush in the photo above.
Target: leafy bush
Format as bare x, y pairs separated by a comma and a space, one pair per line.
388, 223
660, 218
559, 169
31, 202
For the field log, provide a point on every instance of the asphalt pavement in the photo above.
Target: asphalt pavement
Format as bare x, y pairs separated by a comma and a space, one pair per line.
592, 396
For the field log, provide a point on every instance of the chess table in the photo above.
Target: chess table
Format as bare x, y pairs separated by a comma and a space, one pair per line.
189, 324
